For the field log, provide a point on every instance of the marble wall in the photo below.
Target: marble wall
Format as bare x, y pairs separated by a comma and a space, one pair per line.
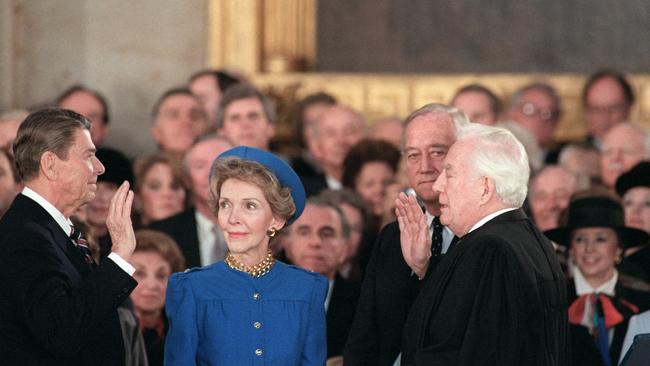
131, 51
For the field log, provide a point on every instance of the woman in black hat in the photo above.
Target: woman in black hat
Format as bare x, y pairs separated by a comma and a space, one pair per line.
249, 309
602, 300
634, 189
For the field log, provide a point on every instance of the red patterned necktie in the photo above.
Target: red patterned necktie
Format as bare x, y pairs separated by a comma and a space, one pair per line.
82, 245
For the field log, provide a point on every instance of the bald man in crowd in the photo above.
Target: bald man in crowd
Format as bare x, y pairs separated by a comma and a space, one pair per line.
318, 241
549, 194
623, 146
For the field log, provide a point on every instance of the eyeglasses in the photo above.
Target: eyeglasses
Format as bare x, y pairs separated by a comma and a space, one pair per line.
610, 109
545, 114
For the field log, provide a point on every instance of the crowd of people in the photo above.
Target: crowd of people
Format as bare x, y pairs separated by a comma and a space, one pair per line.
463, 234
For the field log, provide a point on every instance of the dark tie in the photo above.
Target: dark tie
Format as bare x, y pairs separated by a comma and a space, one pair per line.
82, 245
602, 335
436, 238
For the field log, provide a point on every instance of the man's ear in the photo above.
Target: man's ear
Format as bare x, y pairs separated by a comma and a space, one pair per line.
48, 165
488, 189
316, 150
270, 131
155, 132
343, 252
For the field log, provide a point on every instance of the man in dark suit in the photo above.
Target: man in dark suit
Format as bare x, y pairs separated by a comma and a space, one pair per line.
331, 135
195, 229
390, 285
317, 241
306, 114
498, 297
57, 306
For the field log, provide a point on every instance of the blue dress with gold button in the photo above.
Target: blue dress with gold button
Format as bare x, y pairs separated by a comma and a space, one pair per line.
221, 316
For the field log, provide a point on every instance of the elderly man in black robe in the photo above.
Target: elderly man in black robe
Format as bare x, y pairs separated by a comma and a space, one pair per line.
498, 297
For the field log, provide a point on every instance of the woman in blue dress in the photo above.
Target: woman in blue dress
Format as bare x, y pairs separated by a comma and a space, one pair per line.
248, 309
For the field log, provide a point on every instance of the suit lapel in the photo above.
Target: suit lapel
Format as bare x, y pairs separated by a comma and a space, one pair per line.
194, 249
70, 249
41, 217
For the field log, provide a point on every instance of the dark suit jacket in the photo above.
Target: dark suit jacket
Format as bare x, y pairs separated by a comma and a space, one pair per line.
387, 292
312, 178
497, 298
182, 228
340, 314
55, 310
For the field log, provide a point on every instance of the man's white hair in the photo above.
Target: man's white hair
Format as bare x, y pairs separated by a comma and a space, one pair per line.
498, 155
641, 131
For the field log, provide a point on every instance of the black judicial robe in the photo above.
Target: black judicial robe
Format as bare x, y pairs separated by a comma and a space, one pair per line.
497, 298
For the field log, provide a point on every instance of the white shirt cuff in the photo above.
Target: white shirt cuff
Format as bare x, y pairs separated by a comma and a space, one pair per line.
126, 267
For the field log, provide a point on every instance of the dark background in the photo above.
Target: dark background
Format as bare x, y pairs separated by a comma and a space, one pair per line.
466, 36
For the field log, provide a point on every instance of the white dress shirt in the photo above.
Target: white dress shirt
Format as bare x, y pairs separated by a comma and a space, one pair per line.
207, 238
447, 234
332, 183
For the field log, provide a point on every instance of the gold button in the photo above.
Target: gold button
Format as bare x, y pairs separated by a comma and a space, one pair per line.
257, 325
258, 352
256, 296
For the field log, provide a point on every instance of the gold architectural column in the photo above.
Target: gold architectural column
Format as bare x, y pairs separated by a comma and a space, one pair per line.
289, 38
262, 35
234, 36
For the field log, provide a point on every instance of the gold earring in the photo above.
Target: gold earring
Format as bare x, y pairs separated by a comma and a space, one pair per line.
618, 259
271, 232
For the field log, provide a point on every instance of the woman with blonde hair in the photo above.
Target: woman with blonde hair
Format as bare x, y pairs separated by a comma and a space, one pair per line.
160, 191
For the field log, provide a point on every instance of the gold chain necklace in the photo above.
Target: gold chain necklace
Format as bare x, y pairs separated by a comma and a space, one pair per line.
257, 270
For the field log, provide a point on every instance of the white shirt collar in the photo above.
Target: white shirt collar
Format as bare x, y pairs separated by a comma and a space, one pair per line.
328, 298
203, 221
489, 217
206, 236
333, 183
64, 222
430, 218
583, 287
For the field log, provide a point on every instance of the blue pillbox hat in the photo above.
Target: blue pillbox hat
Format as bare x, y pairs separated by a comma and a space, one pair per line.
286, 176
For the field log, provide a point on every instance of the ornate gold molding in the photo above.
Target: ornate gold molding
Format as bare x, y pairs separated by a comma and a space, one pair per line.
257, 36
382, 95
